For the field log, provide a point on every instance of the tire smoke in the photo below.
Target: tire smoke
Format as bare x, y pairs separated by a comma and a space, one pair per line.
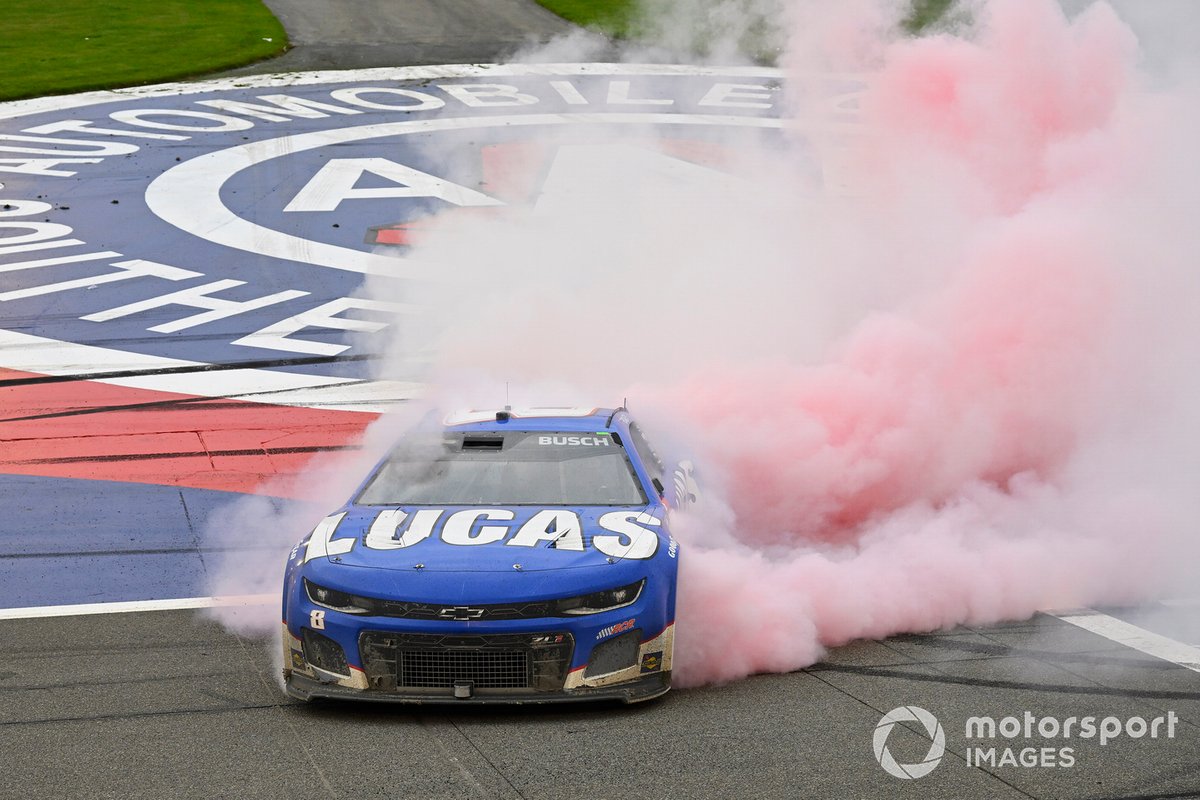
959, 389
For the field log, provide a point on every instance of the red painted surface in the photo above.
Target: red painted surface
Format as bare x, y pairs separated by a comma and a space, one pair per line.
204, 443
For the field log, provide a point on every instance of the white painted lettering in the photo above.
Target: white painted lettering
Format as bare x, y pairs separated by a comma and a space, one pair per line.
38, 232
551, 525
86, 126
737, 95
213, 123
632, 540
487, 95
321, 543
43, 166
283, 108
31, 246
22, 208
53, 146
125, 270
50, 262
561, 441
354, 97
277, 336
567, 91
196, 297
336, 179
382, 533
459, 527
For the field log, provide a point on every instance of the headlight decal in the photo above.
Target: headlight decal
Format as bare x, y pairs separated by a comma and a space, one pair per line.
593, 603
596, 602
338, 601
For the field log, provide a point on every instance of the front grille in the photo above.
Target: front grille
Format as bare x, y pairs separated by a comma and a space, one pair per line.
487, 669
500, 611
401, 661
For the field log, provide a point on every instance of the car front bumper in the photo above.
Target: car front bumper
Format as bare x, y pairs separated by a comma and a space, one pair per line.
481, 664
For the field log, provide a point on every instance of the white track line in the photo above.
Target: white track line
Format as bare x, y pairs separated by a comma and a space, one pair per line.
1130, 635
36, 612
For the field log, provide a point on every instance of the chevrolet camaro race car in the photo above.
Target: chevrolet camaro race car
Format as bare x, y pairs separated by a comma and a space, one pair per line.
508, 556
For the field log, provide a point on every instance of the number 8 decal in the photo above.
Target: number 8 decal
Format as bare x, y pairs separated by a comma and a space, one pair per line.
316, 619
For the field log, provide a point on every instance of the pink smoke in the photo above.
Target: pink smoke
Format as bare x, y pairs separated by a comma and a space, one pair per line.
988, 380
948, 463
961, 393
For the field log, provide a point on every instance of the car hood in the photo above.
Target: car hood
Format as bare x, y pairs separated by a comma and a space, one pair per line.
493, 539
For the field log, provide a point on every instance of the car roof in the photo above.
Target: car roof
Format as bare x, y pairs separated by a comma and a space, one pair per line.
536, 419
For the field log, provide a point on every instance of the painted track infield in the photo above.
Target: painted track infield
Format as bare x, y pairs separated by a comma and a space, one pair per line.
145, 386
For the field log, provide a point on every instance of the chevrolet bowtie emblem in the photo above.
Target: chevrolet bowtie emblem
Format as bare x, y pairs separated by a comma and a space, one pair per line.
461, 613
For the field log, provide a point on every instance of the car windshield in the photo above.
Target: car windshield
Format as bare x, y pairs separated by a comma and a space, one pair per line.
507, 468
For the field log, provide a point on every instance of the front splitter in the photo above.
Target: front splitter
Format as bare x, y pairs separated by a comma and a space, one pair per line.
648, 688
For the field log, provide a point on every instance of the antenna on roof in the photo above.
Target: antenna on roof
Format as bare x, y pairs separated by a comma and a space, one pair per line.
503, 416
616, 411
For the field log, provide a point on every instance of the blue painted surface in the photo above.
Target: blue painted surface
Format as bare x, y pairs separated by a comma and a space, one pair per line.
68, 541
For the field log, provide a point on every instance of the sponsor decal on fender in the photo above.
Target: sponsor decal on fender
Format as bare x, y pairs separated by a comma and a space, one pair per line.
628, 534
613, 630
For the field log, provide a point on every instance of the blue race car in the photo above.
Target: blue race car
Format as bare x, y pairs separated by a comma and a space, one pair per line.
508, 556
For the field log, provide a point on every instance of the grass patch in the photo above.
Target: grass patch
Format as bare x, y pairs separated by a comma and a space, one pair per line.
60, 46
924, 13
615, 18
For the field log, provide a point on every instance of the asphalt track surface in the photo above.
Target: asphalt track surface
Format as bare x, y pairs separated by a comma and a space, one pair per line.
169, 704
